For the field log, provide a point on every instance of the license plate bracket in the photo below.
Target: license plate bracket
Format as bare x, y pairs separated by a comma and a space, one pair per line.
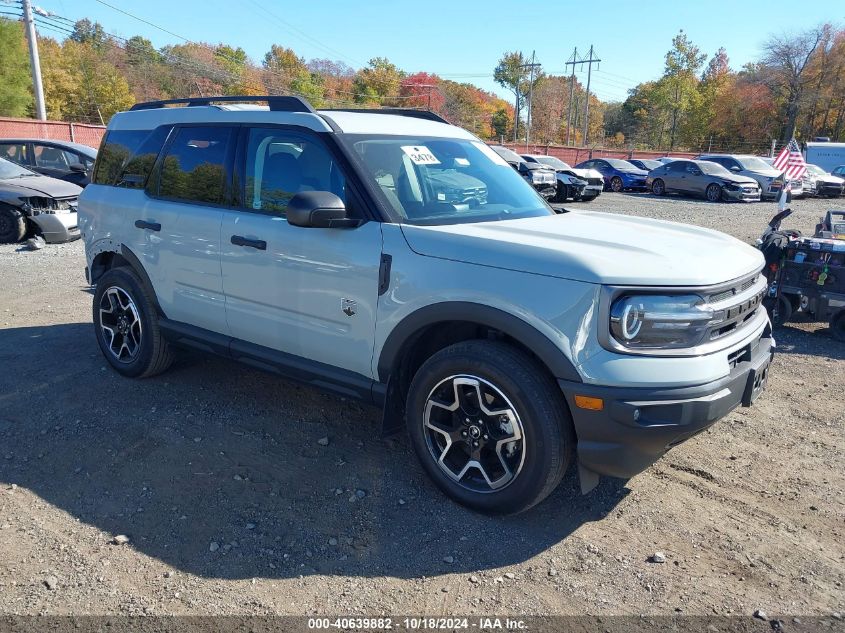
757, 379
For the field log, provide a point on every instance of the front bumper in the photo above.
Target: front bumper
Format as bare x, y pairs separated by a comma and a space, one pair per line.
828, 189
547, 191
57, 227
741, 196
636, 426
631, 183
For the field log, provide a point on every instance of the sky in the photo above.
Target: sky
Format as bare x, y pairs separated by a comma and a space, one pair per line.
463, 39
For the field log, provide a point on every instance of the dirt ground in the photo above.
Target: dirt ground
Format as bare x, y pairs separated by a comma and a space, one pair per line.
233, 503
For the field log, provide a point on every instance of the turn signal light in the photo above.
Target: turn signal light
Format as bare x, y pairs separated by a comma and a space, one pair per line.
589, 403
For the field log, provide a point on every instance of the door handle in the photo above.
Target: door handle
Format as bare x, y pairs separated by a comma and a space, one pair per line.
240, 240
143, 224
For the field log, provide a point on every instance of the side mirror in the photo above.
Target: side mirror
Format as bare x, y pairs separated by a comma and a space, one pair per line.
735, 168
319, 210
78, 168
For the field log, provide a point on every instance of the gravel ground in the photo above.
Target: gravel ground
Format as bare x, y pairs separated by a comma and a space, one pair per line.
239, 493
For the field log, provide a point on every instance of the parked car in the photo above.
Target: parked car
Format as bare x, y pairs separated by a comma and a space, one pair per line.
771, 180
646, 164
60, 159
821, 183
798, 187
669, 159
506, 339
578, 184
704, 179
618, 174
541, 177
839, 171
31, 204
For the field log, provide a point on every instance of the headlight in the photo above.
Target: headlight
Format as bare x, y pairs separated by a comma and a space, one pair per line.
661, 322
540, 177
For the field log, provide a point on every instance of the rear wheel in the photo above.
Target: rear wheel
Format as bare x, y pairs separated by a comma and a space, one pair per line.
489, 426
616, 184
713, 192
658, 187
126, 325
588, 198
12, 225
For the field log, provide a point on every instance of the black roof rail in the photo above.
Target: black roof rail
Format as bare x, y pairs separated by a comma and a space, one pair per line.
276, 103
417, 114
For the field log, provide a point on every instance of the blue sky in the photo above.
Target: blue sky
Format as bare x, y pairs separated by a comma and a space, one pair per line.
462, 40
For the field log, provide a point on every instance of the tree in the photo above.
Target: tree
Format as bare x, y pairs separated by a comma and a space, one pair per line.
87, 32
511, 73
378, 83
15, 95
422, 90
786, 58
679, 80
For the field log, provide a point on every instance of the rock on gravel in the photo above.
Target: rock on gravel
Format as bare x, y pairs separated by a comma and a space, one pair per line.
657, 557
120, 539
51, 582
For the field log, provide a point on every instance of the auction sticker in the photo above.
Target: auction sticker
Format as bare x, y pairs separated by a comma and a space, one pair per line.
420, 155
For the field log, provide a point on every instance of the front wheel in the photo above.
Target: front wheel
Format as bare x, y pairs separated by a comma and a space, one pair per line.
126, 325
713, 192
12, 226
489, 426
658, 187
616, 184
588, 198
780, 309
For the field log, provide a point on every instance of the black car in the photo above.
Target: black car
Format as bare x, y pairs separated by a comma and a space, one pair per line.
32, 204
541, 177
60, 159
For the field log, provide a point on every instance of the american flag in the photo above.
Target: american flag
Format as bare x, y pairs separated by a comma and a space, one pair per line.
790, 161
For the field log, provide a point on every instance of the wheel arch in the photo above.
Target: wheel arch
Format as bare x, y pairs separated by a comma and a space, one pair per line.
123, 256
429, 329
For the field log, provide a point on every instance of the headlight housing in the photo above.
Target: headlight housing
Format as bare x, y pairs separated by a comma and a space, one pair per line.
661, 321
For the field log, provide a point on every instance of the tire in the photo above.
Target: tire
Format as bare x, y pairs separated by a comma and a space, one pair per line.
658, 187
616, 184
522, 402
123, 306
12, 225
713, 193
588, 199
837, 326
779, 308
562, 193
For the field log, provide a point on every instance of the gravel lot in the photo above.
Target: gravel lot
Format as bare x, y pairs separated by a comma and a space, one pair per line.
244, 494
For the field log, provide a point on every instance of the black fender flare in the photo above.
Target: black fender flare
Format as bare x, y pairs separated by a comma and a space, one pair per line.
131, 260
407, 329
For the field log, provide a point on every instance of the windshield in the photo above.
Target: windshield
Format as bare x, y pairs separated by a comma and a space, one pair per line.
650, 164
429, 180
618, 163
509, 155
713, 169
755, 164
8, 169
816, 170
553, 161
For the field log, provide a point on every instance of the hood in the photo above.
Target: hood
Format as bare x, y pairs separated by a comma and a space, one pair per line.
38, 186
737, 180
768, 173
593, 247
634, 172
536, 166
585, 173
833, 180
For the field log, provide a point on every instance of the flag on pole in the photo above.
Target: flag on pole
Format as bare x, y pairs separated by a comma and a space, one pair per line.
790, 161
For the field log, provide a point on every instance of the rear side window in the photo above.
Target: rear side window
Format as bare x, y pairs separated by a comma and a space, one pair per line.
126, 157
15, 152
194, 167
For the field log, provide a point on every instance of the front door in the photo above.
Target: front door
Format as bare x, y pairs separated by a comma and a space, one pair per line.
308, 292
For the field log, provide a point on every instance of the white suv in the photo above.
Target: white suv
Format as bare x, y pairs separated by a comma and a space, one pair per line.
389, 256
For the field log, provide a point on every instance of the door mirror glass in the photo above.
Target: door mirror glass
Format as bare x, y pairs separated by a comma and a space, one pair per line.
78, 168
735, 168
319, 209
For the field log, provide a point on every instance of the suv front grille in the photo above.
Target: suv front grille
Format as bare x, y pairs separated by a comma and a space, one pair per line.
739, 312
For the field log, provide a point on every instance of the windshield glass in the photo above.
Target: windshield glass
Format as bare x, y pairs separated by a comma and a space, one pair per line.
816, 170
713, 169
650, 164
618, 163
553, 161
754, 163
8, 169
429, 180
509, 155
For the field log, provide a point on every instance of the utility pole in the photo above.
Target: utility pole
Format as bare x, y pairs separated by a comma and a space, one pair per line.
571, 92
532, 66
589, 63
34, 62
430, 88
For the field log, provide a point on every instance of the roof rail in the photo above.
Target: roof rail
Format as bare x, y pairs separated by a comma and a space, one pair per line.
417, 114
276, 103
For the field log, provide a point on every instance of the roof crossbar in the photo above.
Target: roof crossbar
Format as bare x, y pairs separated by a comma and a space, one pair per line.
276, 103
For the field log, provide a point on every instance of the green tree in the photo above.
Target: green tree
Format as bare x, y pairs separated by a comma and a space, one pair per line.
87, 32
511, 73
378, 83
679, 81
15, 95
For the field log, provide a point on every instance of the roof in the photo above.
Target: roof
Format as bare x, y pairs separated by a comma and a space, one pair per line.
86, 149
390, 122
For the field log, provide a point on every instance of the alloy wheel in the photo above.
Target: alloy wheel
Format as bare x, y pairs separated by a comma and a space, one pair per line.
714, 193
474, 433
120, 323
657, 187
616, 184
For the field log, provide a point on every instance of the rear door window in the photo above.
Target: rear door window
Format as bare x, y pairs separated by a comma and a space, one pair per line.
15, 152
195, 166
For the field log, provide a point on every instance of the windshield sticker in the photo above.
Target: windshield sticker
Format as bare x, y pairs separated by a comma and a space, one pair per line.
489, 153
420, 155
463, 162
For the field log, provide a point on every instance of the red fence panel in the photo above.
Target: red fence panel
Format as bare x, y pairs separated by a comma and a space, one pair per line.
56, 130
575, 155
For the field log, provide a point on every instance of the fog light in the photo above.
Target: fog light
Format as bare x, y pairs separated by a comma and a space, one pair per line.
589, 403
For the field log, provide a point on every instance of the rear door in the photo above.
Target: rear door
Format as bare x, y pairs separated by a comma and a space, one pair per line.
674, 178
308, 292
176, 233
695, 181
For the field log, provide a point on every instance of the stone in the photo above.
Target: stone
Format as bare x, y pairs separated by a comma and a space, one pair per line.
658, 557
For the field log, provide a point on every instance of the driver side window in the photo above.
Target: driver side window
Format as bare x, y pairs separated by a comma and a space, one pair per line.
280, 164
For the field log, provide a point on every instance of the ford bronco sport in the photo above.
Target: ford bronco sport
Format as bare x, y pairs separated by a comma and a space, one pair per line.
390, 256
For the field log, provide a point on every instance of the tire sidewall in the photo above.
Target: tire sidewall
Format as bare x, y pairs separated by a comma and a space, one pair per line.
658, 190
15, 226
126, 280
542, 443
616, 184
